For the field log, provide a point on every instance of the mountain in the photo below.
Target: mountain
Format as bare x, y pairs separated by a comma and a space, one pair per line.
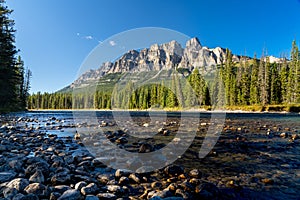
161, 57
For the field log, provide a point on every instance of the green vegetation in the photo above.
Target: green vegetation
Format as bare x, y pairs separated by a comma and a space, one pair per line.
14, 78
251, 85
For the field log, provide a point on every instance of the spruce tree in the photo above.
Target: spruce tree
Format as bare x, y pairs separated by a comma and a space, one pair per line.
254, 90
10, 78
14, 79
284, 81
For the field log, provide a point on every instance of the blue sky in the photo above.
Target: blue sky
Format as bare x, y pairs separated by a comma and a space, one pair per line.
55, 36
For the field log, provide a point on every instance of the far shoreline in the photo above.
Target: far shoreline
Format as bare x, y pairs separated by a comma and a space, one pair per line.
164, 110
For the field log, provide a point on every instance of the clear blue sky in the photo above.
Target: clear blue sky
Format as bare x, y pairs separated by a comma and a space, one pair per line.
55, 36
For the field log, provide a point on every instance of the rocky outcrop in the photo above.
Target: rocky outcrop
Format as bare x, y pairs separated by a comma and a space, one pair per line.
161, 57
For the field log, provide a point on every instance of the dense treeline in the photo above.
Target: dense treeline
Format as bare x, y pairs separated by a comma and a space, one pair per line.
14, 78
250, 82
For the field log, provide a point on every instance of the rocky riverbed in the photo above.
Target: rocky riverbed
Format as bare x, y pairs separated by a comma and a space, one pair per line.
42, 157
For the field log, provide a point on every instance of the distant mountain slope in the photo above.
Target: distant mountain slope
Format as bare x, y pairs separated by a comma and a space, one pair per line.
161, 57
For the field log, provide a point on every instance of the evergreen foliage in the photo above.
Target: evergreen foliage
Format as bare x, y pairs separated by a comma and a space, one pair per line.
14, 78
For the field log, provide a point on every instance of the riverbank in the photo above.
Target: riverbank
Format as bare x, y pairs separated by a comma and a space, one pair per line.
227, 109
254, 158
37, 164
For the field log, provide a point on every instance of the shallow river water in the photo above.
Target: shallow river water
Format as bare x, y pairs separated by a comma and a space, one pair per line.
256, 154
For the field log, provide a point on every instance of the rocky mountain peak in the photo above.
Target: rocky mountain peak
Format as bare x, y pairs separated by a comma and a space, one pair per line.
161, 57
173, 48
193, 44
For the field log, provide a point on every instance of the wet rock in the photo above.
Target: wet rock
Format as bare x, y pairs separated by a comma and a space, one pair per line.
123, 180
294, 137
9, 193
121, 140
207, 190
166, 132
91, 188
7, 176
283, 135
77, 136
70, 195
61, 188
97, 162
19, 197
145, 169
80, 185
267, 181
183, 194
195, 181
115, 189
173, 170
186, 186
91, 197
135, 178
146, 125
195, 173
39, 166
107, 196
19, 184
37, 177
69, 159
103, 179
161, 130
162, 194
172, 187
38, 189
16, 165
60, 178
3, 148
54, 196
122, 172
172, 180
231, 184
145, 148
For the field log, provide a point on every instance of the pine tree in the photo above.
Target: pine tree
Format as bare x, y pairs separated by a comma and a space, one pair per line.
275, 85
230, 80
264, 80
295, 77
14, 80
245, 85
254, 90
292, 75
284, 81
10, 79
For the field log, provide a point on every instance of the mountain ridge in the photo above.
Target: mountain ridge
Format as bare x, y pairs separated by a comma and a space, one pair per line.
163, 57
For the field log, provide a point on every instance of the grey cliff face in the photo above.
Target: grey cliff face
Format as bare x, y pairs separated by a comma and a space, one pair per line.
160, 57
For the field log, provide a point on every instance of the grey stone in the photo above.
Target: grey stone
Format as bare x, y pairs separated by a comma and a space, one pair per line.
7, 176
9, 193
61, 188
60, 178
91, 197
80, 185
38, 189
91, 188
122, 172
173, 170
70, 195
18, 183
107, 196
195, 173
37, 177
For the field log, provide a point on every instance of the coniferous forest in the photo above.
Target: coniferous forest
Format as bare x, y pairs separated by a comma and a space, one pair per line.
254, 84
14, 78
